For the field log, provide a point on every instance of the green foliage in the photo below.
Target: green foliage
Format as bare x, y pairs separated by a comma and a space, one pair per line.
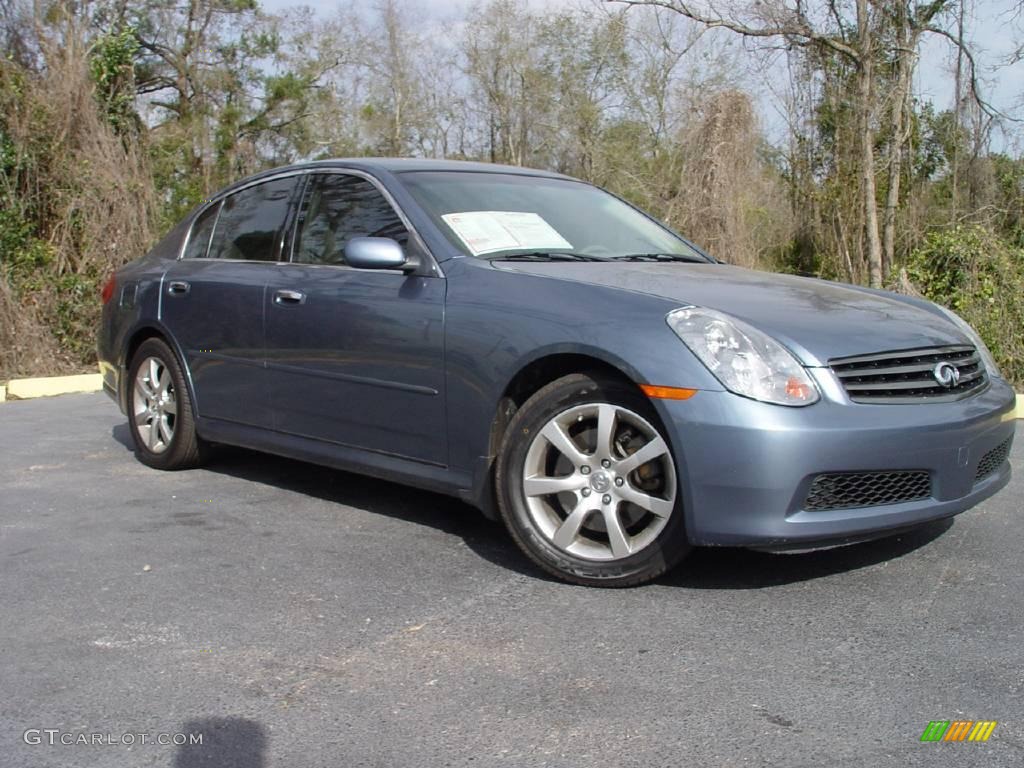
801, 257
929, 141
943, 267
981, 278
1009, 178
23, 256
22, 253
180, 189
77, 313
8, 152
112, 66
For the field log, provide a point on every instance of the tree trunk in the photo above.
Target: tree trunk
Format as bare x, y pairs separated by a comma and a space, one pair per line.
865, 71
905, 51
892, 193
958, 103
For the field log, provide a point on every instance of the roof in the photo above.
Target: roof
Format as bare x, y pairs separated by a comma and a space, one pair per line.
396, 165
408, 164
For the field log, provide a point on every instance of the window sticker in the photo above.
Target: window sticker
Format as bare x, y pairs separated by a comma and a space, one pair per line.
490, 231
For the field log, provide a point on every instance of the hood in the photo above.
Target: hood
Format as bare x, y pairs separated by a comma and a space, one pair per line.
818, 320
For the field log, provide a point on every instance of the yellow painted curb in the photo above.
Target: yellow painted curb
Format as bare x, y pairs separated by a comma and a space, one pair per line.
48, 386
1020, 406
3, 393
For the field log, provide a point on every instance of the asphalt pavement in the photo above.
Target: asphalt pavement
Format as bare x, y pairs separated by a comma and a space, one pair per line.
297, 616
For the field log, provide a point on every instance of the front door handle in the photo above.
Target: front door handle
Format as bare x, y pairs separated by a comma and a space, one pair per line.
178, 288
289, 298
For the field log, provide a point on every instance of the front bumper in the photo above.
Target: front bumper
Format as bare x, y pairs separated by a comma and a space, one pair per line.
747, 466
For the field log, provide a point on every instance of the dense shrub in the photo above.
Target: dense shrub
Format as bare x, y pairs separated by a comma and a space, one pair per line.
76, 200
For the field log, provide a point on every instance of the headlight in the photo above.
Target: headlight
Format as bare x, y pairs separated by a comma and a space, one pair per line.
986, 355
746, 361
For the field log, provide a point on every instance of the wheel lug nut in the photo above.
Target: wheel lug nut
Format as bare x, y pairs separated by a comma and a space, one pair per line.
607, 499
586, 491
605, 463
585, 470
619, 481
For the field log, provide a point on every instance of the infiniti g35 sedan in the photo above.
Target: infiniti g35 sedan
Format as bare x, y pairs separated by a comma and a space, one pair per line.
549, 353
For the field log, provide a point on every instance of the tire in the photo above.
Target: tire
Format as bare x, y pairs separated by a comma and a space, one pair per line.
160, 415
586, 511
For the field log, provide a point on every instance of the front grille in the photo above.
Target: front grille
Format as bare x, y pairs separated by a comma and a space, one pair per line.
909, 376
993, 460
848, 490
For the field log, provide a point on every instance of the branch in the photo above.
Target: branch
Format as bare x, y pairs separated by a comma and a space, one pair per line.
834, 12
158, 49
987, 108
799, 34
153, 85
923, 16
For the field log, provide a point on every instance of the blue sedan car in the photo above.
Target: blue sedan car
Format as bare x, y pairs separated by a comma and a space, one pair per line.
552, 355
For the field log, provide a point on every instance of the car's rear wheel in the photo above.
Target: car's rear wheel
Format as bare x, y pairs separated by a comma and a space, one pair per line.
587, 484
160, 410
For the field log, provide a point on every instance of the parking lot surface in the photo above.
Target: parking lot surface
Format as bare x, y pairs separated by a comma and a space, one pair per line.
298, 616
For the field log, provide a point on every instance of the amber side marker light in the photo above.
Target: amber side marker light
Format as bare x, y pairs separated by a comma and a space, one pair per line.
798, 390
667, 393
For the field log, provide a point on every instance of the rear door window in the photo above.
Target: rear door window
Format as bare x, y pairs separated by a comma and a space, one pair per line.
250, 222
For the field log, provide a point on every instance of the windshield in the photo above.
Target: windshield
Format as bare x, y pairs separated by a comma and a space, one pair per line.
497, 215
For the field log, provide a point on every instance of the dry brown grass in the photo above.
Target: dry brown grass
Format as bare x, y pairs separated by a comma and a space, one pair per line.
87, 190
729, 204
94, 185
26, 345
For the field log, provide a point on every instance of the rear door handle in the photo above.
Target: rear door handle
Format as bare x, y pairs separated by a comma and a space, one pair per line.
178, 288
288, 298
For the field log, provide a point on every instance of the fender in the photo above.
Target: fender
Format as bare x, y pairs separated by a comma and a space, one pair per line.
481, 493
150, 327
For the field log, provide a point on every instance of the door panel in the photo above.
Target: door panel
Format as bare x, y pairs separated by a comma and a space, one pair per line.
218, 324
212, 300
360, 360
355, 356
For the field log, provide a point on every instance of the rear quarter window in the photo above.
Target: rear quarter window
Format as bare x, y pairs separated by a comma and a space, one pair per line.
202, 228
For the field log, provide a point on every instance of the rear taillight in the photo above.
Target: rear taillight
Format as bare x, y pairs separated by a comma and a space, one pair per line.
108, 289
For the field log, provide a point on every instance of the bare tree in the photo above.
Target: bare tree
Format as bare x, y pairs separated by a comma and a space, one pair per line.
829, 32
876, 35
513, 92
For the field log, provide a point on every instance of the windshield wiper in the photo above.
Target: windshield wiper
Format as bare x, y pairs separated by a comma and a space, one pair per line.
664, 257
549, 256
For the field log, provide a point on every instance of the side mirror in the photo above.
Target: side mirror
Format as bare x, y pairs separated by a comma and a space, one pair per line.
378, 253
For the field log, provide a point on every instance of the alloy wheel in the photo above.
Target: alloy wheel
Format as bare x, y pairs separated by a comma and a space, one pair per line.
599, 482
154, 404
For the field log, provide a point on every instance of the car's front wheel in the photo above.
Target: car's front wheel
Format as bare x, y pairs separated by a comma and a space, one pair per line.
587, 484
160, 410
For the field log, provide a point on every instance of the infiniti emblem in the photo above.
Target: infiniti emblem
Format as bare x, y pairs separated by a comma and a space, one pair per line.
946, 374
600, 482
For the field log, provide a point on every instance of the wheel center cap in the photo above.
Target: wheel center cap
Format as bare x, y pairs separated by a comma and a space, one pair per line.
600, 482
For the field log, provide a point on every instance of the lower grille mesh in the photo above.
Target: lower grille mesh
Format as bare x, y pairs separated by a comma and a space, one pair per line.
846, 490
993, 460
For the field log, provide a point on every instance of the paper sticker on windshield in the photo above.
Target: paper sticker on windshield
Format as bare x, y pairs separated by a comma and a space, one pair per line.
490, 231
